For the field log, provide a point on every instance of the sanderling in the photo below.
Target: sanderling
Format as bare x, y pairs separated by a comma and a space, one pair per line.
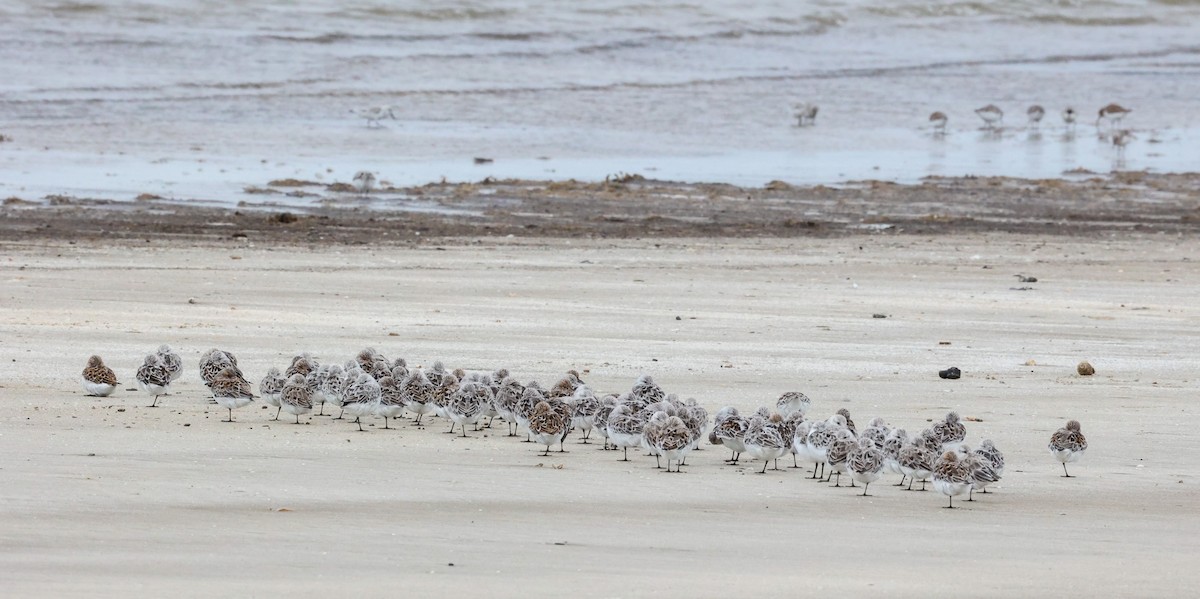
951, 476
645, 391
153, 377
171, 360
600, 419
302, 364
877, 430
1068, 116
673, 441
364, 182
442, 394
328, 387
418, 391
819, 438
1035, 114
849, 423
296, 397
1120, 139
566, 386
792, 401
838, 452
625, 428
979, 470
584, 404
991, 114
802, 449
98, 380
468, 404
950, 432
729, 429
213, 362
391, 399
790, 425
376, 114
865, 462
523, 410
548, 425
1113, 113
895, 441
270, 387
1067, 444
361, 399
765, 440
507, 396
988, 451
916, 460
938, 121
805, 113
231, 391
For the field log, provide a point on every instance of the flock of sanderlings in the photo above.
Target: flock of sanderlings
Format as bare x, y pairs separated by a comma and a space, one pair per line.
993, 117
645, 417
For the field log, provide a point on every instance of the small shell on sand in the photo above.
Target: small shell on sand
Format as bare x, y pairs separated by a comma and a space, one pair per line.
1085, 369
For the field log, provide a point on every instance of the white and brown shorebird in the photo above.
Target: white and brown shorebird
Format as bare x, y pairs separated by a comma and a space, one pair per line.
98, 380
806, 114
171, 360
296, 396
361, 398
1035, 114
1068, 116
865, 463
375, 114
270, 387
231, 391
153, 378
548, 425
364, 182
1068, 444
951, 476
1113, 113
938, 121
670, 439
991, 115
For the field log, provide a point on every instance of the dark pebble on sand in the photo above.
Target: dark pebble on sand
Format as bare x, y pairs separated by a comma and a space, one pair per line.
950, 373
879, 316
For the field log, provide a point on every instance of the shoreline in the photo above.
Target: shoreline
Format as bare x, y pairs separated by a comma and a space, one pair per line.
629, 207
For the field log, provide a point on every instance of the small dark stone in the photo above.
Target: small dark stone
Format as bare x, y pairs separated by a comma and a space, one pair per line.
678, 318
950, 373
877, 315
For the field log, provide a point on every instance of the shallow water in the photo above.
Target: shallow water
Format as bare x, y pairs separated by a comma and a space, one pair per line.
197, 99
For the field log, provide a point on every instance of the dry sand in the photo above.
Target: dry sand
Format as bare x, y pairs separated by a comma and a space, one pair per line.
105, 497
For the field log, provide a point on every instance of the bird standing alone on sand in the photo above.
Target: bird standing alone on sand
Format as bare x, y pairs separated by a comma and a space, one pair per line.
98, 380
1067, 444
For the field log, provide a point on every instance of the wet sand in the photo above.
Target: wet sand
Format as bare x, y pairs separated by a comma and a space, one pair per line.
305, 212
104, 496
